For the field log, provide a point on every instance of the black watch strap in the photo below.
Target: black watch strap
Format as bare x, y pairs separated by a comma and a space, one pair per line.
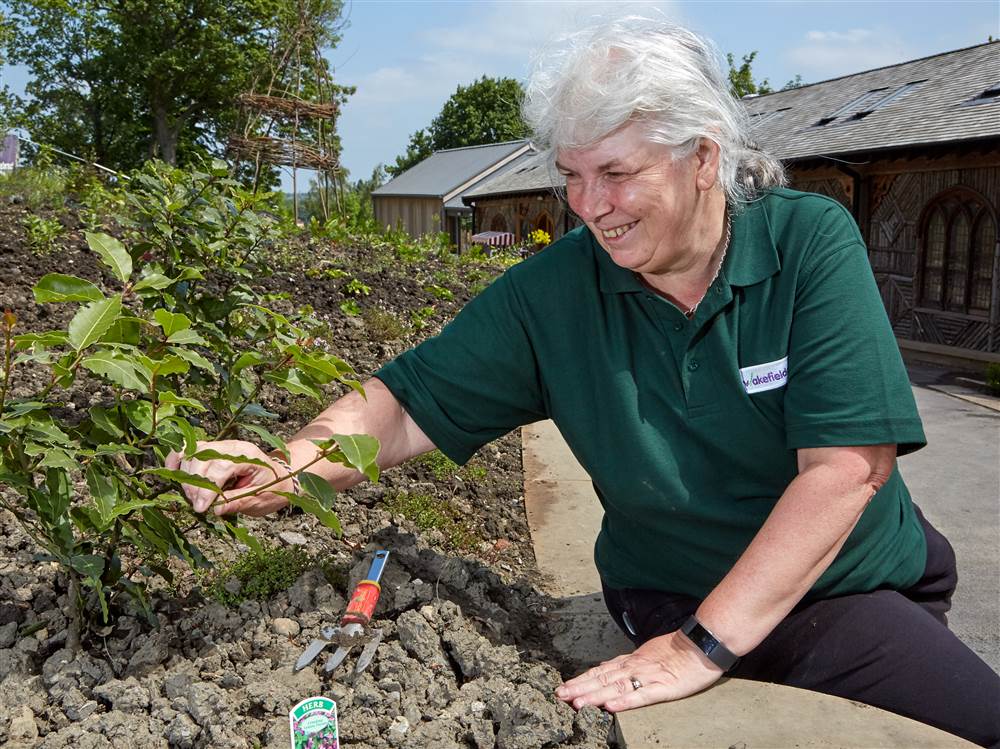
709, 644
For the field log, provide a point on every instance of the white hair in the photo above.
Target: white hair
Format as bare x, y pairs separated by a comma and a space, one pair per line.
591, 82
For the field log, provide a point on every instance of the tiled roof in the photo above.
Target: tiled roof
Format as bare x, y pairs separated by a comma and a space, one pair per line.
940, 106
923, 101
444, 171
530, 174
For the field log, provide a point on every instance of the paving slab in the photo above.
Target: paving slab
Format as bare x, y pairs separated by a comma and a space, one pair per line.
742, 714
564, 516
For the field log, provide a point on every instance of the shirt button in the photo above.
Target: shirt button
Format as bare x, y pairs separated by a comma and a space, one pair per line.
693, 365
678, 326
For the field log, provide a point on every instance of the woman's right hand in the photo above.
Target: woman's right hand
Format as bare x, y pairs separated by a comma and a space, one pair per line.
234, 479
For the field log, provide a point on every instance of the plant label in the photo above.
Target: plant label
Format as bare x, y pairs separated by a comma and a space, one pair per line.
313, 724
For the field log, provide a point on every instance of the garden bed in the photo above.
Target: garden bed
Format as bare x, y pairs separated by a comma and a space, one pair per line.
467, 658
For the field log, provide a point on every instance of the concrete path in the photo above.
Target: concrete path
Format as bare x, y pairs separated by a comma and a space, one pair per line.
956, 482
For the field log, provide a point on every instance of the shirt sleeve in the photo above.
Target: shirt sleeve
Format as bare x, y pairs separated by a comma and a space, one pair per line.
847, 384
475, 381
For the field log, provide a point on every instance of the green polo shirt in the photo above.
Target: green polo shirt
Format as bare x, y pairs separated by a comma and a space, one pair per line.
689, 428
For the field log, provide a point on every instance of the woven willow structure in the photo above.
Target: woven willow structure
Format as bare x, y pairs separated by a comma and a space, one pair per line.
285, 126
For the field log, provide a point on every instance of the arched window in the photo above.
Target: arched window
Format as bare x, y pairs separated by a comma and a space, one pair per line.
956, 267
544, 222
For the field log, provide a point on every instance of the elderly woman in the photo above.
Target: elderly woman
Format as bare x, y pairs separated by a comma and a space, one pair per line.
714, 350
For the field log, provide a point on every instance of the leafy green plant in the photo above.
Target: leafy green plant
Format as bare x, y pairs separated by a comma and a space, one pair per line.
354, 287
420, 316
257, 575
440, 292
350, 308
179, 348
42, 233
993, 377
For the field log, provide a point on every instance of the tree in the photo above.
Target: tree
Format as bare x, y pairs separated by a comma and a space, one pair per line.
485, 111
125, 80
741, 80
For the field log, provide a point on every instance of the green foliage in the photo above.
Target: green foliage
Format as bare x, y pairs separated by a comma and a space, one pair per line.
181, 347
354, 287
257, 575
383, 326
350, 308
444, 467
993, 377
485, 111
38, 187
117, 82
42, 233
741, 79
430, 513
440, 292
420, 316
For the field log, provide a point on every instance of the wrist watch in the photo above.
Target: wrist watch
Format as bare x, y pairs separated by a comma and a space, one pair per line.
709, 644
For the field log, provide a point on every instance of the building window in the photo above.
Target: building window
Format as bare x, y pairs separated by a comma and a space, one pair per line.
959, 242
498, 223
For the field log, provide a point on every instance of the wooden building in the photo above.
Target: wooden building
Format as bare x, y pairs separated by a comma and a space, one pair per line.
427, 198
913, 150
521, 200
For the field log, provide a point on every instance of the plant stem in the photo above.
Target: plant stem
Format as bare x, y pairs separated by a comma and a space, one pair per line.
231, 424
257, 489
75, 613
7, 349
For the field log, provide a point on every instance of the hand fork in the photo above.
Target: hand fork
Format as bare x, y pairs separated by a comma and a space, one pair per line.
353, 629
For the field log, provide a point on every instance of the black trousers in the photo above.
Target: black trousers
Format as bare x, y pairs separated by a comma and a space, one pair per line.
891, 649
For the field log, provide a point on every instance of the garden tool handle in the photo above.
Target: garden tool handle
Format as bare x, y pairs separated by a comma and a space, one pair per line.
365, 596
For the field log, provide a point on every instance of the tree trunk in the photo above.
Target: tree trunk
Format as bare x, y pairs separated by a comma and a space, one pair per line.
166, 134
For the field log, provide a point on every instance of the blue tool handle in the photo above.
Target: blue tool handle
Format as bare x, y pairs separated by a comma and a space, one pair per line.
378, 566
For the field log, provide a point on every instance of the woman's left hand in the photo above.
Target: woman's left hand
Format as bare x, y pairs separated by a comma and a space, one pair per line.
666, 668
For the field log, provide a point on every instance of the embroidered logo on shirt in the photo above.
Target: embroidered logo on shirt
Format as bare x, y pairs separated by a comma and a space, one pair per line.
761, 377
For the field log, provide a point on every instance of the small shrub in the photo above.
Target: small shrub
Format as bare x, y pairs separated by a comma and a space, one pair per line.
383, 325
42, 233
993, 377
350, 308
257, 575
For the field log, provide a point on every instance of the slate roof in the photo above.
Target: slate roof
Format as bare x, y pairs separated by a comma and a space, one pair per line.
939, 108
936, 108
530, 173
443, 172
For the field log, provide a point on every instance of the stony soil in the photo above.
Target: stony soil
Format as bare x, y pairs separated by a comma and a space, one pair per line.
466, 659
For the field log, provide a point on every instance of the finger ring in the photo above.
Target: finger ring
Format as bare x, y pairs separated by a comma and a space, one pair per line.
636, 684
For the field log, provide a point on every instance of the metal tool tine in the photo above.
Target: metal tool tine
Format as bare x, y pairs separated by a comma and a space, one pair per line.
314, 649
368, 652
337, 658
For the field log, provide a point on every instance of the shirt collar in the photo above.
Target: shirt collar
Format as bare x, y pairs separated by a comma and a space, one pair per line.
752, 255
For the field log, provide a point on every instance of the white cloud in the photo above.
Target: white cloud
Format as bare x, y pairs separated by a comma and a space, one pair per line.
498, 39
829, 54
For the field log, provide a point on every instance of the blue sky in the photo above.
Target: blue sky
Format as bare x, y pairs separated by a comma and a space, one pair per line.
406, 58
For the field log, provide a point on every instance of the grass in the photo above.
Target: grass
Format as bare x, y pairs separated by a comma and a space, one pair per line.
430, 513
